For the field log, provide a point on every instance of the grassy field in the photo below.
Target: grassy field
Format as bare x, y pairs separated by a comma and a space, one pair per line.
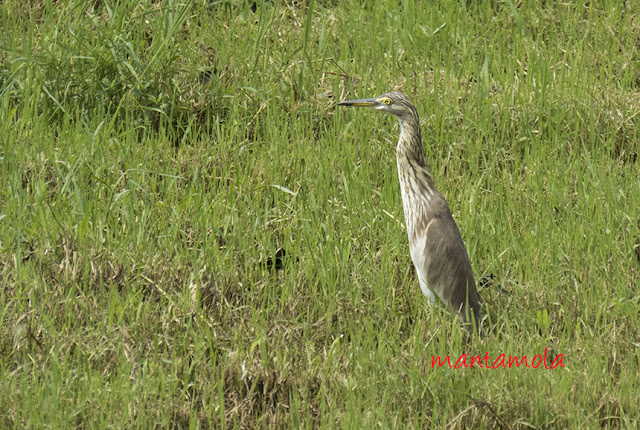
192, 235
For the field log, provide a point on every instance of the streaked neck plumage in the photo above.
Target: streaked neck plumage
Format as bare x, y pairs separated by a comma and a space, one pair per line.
416, 184
410, 142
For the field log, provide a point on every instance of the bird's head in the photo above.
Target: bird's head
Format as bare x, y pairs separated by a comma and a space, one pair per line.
395, 103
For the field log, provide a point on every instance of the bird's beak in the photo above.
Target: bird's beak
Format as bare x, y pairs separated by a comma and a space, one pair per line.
370, 103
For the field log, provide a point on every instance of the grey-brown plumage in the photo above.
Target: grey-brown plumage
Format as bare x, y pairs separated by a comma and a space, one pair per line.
436, 247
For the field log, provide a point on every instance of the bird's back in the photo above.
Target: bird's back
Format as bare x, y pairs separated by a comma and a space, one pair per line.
442, 262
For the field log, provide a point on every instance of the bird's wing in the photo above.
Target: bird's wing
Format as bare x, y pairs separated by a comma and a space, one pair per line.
441, 257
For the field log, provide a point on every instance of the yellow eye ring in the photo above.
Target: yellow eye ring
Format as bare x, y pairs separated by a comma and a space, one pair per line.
387, 101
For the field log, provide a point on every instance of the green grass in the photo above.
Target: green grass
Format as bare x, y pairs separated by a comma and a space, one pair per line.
155, 156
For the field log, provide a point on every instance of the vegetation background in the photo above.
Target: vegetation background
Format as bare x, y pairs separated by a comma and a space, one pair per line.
193, 236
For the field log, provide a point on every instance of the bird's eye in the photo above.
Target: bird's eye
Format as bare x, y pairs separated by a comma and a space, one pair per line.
387, 101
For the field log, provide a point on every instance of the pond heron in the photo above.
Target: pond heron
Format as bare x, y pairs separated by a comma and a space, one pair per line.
436, 247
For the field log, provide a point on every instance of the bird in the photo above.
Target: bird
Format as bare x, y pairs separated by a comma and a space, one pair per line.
435, 244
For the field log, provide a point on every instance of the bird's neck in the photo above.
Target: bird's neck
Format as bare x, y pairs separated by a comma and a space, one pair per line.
416, 184
409, 150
